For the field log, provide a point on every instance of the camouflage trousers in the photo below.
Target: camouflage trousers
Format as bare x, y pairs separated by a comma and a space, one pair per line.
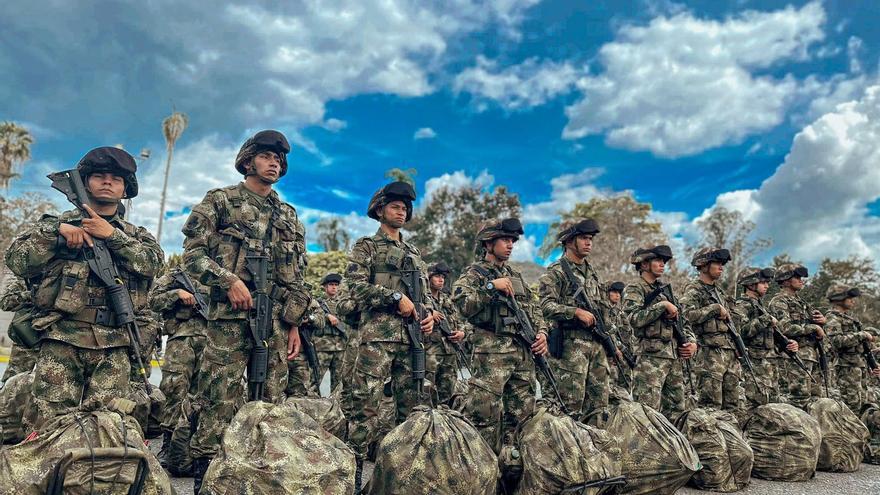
346, 372
182, 358
220, 384
502, 394
376, 361
582, 375
767, 376
331, 361
442, 371
853, 384
719, 374
801, 388
21, 360
299, 379
66, 377
659, 382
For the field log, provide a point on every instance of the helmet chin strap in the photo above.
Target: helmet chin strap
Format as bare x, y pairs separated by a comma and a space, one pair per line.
251, 170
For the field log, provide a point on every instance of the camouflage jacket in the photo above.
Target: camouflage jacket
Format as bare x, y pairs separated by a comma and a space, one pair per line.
617, 322
444, 304
373, 276
755, 327
846, 335
651, 329
701, 310
795, 322
557, 297
16, 296
347, 308
219, 232
70, 299
480, 307
328, 338
179, 320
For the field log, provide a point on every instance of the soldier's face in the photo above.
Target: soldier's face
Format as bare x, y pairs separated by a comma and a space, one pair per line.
582, 244
657, 267
394, 214
614, 297
437, 281
715, 270
502, 247
761, 288
267, 165
331, 288
849, 303
106, 187
796, 283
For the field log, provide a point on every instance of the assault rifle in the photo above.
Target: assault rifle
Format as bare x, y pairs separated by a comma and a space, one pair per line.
311, 355
820, 349
677, 327
456, 346
411, 277
326, 309
598, 329
739, 346
181, 280
259, 320
870, 360
782, 342
101, 264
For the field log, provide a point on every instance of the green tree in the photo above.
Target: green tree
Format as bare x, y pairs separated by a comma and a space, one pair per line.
332, 235
445, 228
723, 228
15, 149
405, 175
855, 271
17, 214
321, 264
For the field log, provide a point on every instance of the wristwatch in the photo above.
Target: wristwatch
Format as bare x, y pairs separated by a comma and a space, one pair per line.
397, 296
490, 286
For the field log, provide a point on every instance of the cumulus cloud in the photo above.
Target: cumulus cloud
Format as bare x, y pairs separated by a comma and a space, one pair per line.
566, 190
524, 85
525, 249
456, 180
682, 84
424, 133
816, 203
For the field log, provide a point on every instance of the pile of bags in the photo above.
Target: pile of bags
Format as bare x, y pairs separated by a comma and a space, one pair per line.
785, 441
844, 437
725, 455
15, 397
871, 418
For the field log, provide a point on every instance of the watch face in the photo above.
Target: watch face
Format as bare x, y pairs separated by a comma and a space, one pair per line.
490, 286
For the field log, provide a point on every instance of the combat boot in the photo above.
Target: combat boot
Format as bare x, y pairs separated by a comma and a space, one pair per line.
199, 467
358, 476
163, 451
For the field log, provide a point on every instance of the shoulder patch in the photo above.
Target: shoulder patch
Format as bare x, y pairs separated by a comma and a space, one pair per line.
352, 267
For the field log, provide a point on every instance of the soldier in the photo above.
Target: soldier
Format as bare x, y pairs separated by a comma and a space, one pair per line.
374, 279
756, 325
658, 380
83, 354
17, 298
503, 393
230, 224
582, 365
442, 362
800, 322
707, 308
331, 340
850, 341
186, 329
617, 322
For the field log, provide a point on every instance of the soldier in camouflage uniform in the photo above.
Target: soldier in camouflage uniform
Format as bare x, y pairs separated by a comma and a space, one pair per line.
618, 324
186, 329
220, 232
658, 380
798, 321
582, 367
374, 279
300, 382
83, 354
849, 339
503, 392
442, 362
709, 311
331, 340
756, 326
17, 298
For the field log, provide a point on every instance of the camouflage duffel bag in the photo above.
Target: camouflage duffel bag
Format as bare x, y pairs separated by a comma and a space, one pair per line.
326, 411
278, 449
435, 451
843, 436
871, 419
560, 454
726, 457
15, 398
785, 441
655, 457
86, 452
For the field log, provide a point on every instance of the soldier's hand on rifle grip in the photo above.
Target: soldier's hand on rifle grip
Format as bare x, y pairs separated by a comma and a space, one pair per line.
457, 336
671, 310
869, 337
96, 226
240, 296
819, 319
405, 306
75, 236
585, 317
294, 344
333, 320
820, 334
723, 314
438, 316
688, 350
427, 324
875, 372
539, 347
504, 286
185, 297
792, 345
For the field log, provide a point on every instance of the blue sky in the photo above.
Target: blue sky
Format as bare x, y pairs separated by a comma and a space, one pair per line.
688, 105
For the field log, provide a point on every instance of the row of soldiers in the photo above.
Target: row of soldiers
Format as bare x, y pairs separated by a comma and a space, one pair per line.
380, 315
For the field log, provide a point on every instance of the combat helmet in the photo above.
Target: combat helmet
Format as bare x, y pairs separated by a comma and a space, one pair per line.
395, 191
662, 251
113, 160
707, 255
789, 270
839, 292
752, 275
496, 228
615, 287
574, 228
439, 268
268, 140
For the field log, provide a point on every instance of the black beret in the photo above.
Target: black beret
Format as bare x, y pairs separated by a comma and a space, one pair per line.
616, 286
439, 268
113, 160
331, 278
585, 226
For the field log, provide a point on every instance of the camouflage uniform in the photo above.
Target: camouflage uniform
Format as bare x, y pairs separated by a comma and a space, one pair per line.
619, 327
502, 393
796, 323
442, 363
83, 357
755, 327
373, 277
17, 298
330, 343
582, 370
847, 337
187, 334
719, 371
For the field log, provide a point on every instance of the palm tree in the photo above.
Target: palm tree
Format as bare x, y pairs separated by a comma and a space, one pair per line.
15, 149
172, 127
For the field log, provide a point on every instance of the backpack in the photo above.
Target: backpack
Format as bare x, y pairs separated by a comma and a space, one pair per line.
785, 441
725, 455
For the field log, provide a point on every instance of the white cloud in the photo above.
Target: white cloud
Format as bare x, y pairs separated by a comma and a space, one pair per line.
424, 133
524, 85
335, 125
454, 181
815, 204
566, 191
682, 84
525, 249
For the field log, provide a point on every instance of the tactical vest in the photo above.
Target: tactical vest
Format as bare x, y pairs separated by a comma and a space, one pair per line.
497, 317
574, 329
659, 329
848, 356
763, 342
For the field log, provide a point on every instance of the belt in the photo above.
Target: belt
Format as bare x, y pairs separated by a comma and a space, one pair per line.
98, 316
